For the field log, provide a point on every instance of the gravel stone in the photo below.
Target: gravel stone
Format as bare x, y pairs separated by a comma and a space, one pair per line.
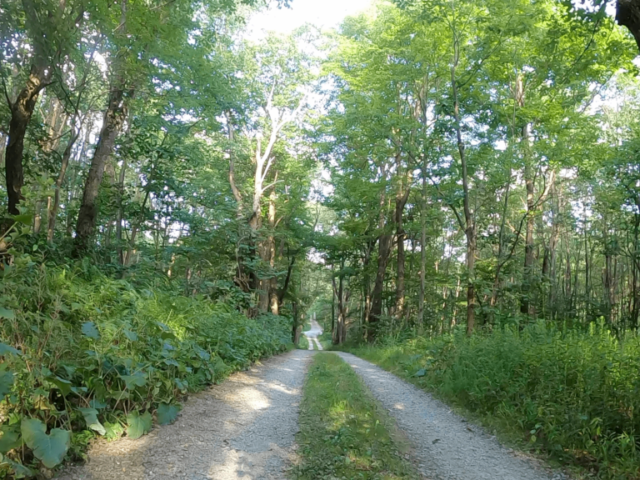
242, 429
447, 447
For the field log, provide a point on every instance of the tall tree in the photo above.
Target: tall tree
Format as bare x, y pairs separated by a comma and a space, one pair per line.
48, 28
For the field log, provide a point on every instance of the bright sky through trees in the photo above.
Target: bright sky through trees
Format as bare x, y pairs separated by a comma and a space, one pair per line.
323, 13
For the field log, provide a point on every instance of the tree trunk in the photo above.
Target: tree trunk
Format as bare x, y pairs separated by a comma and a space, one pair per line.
334, 330
287, 281
401, 201
635, 311
423, 247
119, 220
264, 284
48, 145
21, 112
501, 261
550, 273
468, 225
526, 307
587, 271
384, 251
296, 328
471, 289
385, 243
366, 285
112, 123
274, 305
608, 276
66, 156
338, 335
628, 15
135, 228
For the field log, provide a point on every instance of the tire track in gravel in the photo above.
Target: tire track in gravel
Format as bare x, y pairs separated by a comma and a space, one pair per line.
446, 446
243, 429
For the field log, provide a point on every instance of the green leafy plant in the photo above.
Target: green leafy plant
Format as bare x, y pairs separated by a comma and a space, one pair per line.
89, 355
49, 448
570, 394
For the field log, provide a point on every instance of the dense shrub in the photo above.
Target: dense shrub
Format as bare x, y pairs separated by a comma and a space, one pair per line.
83, 354
574, 394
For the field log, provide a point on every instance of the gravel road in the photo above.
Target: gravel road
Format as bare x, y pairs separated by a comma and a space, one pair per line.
241, 429
446, 446
245, 429
312, 335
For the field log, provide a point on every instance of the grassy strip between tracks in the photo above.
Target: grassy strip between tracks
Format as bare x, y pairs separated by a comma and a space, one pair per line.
344, 434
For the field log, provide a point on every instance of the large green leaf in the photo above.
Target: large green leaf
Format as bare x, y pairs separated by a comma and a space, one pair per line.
138, 379
7, 349
49, 449
138, 424
133, 336
6, 313
19, 470
91, 418
63, 385
97, 404
182, 384
25, 219
89, 329
9, 439
6, 382
167, 413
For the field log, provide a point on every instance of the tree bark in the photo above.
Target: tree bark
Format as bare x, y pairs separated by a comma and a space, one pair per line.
628, 15
526, 306
384, 250
385, 242
66, 156
333, 305
366, 285
138, 224
112, 123
274, 305
468, 225
120, 219
608, 275
287, 281
401, 200
21, 112
423, 254
339, 335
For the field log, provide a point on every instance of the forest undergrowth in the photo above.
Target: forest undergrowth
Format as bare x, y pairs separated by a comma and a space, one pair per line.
83, 354
569, 394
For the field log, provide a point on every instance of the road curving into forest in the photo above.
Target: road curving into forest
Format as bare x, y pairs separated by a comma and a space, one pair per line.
244, 429
312, 335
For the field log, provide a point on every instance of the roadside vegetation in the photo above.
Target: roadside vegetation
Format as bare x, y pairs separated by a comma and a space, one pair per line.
85, 355
344, 433
568, 394
303, 343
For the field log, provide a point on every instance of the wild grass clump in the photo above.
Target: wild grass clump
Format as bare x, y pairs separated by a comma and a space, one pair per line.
83, 355
572, 394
